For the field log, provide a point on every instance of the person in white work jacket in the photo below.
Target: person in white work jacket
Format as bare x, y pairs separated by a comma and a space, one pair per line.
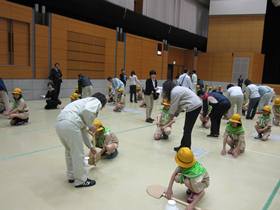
185, 80
236, 97
72, 127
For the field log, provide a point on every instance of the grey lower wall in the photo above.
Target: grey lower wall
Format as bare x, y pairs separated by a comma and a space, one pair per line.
34, 88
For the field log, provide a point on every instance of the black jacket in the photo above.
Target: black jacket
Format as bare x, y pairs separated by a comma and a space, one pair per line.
123, 78
55, 76
150, 87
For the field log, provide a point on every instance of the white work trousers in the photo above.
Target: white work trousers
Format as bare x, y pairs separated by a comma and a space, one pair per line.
265, 100
235, 101
71, 136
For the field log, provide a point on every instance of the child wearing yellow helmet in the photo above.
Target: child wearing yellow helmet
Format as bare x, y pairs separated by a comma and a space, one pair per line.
120, 100
234, 136
104, 139
190, 173
264, 123
19, 113
164, 122
276, 112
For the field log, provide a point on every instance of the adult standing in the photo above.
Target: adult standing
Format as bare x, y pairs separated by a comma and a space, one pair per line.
240, 81
182, 98
266, 94
194, 80
150, 92
72, 127
123, 77
133, 80
236, 98
252, 92
220, 105
4, 97
85, 86
56, 77
185, 80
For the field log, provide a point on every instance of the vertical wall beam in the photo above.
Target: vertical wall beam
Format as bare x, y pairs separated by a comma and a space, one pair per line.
124, 51
50, 41
116, 54
33, 35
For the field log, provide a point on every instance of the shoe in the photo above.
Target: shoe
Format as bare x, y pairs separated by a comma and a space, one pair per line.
152, 119
176, 149
164, 136
188, 192
149, 120
113, 155
213, 135
71, 180
87, 183
259, 136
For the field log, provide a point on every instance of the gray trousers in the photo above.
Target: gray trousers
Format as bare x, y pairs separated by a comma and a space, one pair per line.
265, 100
71, 137
5, 98
149, 100
235, 101
87, 91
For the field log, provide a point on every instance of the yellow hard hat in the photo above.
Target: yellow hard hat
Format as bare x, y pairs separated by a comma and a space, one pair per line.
165, 102
74, 96
235, 118
267, 108
98, 124
185, 158
17, 91
277, 101
120, 90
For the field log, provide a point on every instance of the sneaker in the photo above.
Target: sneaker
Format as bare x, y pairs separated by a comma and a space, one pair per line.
87, 183
164, 136
213, 135
113, 155
71, 180
149, 120
176, 149
259, 136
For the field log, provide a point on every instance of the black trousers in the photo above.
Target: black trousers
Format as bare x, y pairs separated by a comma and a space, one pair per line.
189, 123
252, 108
132, 91
57, 89
52, 104
216, 115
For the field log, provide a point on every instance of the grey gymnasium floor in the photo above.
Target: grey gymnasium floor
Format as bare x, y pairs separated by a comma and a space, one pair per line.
33, 168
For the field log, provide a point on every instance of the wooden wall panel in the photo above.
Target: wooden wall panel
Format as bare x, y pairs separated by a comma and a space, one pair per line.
235, 33
3, 41
215, 66
23, 14
41, 52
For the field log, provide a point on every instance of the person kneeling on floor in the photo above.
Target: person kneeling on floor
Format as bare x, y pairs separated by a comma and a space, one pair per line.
191, 173
164, 122
105, 140
263, 126
276, 112
120, 100
234, 136
19, 113
51, 99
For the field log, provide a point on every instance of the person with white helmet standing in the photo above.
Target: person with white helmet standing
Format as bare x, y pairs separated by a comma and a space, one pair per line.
72, 127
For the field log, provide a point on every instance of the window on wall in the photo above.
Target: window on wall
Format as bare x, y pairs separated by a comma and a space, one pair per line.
14, 42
